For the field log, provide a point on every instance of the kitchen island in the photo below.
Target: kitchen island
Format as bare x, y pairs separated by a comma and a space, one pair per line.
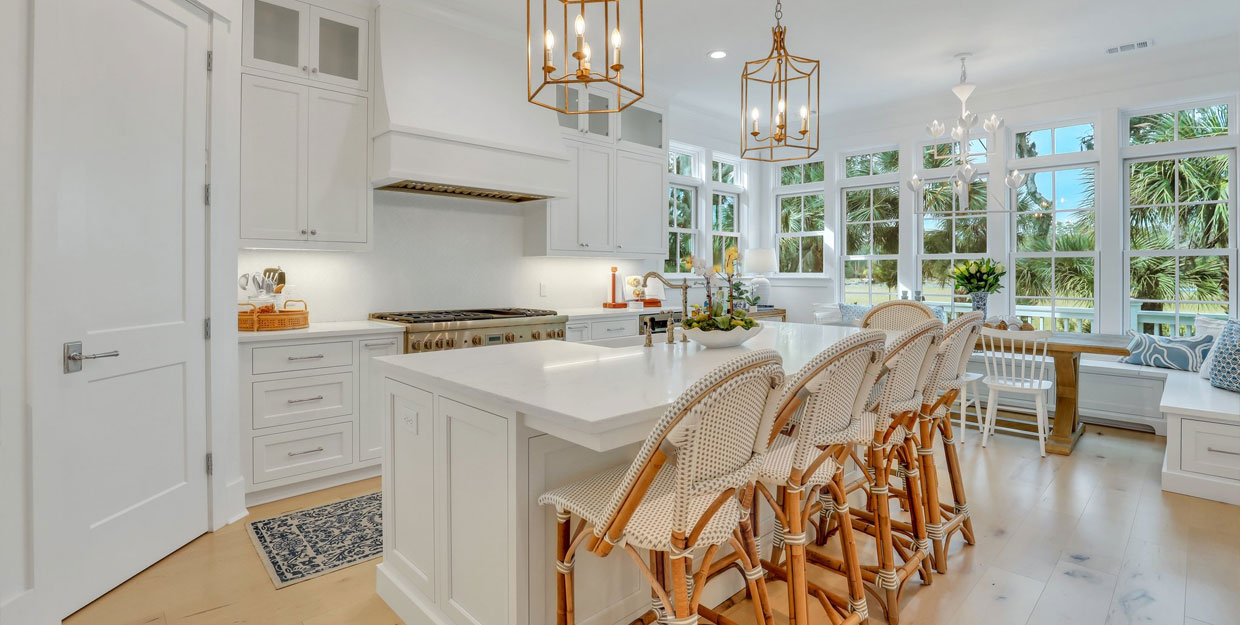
474, 436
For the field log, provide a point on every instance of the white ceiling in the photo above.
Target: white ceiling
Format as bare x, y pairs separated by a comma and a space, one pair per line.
880, 51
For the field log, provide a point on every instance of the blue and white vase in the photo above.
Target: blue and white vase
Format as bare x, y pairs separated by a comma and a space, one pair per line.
980, 299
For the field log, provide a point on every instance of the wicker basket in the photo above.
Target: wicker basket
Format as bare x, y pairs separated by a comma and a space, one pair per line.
287, 319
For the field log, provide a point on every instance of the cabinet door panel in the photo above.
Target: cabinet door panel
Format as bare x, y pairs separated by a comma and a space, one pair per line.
277, 36
338, 182
338, 49
476, 535
371, 418
407, 520
640, 205
562, 212
594, 196
273, 159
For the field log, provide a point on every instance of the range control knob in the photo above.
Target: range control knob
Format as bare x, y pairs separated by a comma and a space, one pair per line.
559, 334
415, 346
439, 343
477, 340
428, 344
451, 342
536, 335
510, 337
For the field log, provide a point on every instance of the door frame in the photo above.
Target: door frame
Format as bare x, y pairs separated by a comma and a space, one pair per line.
225, 486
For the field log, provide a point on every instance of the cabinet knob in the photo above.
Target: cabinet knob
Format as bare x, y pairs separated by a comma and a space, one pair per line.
305, 67
314, 70
304, 231
618, 246
314, 232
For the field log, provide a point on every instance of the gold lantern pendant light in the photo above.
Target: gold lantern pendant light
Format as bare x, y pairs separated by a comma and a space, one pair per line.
772, 87
561, 69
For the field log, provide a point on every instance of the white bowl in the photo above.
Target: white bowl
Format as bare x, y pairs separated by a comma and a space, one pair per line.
721, 338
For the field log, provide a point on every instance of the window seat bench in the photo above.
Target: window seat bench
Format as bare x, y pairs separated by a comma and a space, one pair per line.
1203, 438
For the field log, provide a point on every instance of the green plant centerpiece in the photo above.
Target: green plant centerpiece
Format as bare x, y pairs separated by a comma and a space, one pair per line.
707, 324
978, 279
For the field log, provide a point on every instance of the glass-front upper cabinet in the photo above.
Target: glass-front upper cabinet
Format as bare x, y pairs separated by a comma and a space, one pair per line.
592, 125
298, 39
643, 127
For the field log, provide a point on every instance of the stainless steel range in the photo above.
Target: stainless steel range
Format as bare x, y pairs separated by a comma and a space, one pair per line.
434, 330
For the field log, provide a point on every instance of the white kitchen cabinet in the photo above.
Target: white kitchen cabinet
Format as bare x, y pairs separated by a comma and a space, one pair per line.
577, 332
371, 420
307, 41
308, 419
594, 197
640, 205
305, 180
599, 127
618, 208
339, 183
642, 128
274, 121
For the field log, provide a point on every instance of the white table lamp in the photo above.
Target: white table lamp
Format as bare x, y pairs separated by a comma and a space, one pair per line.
760, 261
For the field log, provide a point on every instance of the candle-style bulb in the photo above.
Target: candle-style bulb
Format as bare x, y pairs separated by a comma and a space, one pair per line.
579, 25
549, 39
781, 106
615, 38
754, 114
804, 112
585, 51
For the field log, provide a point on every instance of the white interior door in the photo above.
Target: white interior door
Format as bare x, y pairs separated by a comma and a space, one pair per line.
119, 158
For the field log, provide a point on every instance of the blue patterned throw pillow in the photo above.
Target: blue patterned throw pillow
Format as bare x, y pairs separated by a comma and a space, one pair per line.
1225, 372
1168, 352
853, 312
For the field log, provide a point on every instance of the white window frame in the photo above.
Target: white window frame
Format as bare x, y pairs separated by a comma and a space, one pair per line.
719, 190
1189, 148
1041, 160
955, 303
1081, 160
857, 183
704, 188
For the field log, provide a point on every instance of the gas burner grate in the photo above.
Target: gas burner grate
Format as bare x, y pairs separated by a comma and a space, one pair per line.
445, 316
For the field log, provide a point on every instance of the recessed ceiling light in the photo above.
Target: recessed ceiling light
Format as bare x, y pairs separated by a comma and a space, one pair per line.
718, 54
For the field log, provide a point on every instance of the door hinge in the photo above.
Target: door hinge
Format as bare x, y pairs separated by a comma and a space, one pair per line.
210, 465
206, 194
206, 328
210, 60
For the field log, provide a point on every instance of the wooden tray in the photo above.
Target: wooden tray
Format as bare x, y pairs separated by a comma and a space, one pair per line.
287, 319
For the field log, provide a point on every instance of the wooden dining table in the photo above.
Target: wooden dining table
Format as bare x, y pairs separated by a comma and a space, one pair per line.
1065, 348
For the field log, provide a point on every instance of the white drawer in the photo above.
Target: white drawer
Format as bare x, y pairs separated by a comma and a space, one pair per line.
1210, 448
613, 328
279, 402
302, 451
301, 357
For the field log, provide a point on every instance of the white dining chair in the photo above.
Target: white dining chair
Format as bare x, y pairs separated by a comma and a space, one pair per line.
969, 397
1016, 363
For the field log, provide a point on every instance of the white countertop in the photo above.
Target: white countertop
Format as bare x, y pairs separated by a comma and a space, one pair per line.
594, 312
595, 396
1186, 393
323, 329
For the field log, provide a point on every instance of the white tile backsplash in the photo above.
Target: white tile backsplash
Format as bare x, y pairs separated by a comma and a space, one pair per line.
437, 252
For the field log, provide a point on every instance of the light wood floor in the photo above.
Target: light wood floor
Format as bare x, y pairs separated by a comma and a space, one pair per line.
1083, 539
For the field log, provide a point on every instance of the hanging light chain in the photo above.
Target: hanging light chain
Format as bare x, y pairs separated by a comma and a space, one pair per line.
964, 73
779, 12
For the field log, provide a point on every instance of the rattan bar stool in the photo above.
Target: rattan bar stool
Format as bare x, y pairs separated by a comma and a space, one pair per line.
718, 432
948, 378
897, 315
908, 360
818, 421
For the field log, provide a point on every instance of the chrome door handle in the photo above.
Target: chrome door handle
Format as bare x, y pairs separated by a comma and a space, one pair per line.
300, 401
1223, 451
73, 356
111, 354
302, 453
314, 357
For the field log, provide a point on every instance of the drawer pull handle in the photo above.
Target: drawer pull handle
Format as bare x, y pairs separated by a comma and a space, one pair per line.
314, 357
299, 401
615, 329
387, 344
302, 453
1223, 451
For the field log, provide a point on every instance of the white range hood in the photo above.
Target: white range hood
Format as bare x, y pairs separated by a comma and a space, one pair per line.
451, 115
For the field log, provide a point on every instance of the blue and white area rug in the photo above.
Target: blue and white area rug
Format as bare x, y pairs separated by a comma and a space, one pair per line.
308, 543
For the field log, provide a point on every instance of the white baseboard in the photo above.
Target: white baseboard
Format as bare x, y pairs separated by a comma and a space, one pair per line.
23, 609
404, 599
1200, 486
257, 497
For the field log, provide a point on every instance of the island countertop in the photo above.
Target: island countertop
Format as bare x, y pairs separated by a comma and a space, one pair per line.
595, 396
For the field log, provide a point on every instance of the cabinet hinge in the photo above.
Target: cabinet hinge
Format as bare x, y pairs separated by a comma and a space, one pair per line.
210, 465
206, 194
210, 60
206, 328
